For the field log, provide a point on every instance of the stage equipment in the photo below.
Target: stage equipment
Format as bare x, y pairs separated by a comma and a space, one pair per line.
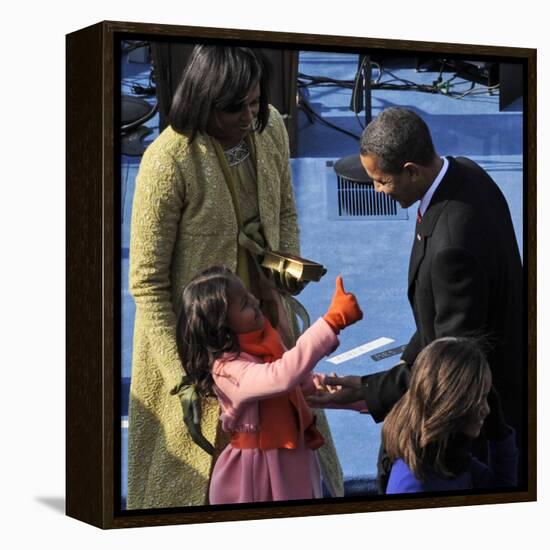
134, 113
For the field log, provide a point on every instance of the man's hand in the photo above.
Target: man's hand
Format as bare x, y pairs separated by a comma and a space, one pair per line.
348, 390
321, 386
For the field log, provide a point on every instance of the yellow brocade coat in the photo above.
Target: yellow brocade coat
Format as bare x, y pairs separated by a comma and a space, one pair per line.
183, 221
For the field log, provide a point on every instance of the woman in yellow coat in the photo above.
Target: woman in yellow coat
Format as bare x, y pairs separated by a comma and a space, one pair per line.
220, 169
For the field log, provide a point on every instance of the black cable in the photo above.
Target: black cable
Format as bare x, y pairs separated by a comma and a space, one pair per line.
380, 72
138, 89
323, 81
438, 86
312, 115
349, 84
131, 125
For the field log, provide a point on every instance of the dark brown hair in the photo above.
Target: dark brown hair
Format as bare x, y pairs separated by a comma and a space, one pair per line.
447, 386
397, 136
201, 331
218, 78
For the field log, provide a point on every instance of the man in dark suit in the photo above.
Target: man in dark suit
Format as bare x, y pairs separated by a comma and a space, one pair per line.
465, 272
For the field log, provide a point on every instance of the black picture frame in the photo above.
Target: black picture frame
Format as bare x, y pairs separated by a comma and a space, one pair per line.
92, 269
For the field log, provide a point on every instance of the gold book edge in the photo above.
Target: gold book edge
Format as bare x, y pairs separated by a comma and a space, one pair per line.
300, 268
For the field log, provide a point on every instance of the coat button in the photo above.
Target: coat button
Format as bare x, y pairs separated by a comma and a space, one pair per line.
418, 236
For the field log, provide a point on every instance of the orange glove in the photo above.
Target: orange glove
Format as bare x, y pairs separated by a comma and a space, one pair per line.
344, 309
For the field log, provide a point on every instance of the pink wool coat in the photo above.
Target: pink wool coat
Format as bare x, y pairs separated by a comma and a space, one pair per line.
254, 475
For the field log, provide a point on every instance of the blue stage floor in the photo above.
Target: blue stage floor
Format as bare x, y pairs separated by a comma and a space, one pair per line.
371, 255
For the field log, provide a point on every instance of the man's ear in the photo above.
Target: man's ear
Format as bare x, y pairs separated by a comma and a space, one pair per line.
413, 170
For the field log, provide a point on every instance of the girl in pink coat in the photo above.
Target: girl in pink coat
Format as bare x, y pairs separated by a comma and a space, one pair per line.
230, 349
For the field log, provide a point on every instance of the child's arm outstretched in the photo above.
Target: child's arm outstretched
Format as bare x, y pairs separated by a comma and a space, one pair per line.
241, 380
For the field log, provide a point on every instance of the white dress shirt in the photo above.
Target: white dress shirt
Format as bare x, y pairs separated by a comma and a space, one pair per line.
425, 200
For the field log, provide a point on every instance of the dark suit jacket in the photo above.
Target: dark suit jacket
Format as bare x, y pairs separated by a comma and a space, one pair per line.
465, 278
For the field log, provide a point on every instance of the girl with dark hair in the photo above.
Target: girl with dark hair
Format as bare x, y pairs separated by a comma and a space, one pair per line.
428, 433
230, 349
214, 185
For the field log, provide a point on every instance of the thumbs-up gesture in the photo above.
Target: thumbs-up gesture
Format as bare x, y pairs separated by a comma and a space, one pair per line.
344, 309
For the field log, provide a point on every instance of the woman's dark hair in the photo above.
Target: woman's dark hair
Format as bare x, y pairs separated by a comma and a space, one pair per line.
218, 78
201, 333
447, 386
397, 136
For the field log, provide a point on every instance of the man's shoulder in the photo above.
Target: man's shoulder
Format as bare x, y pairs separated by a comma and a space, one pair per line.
474, 207
469, 190
467, 177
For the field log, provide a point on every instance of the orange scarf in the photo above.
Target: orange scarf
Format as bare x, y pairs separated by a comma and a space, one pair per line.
284, 419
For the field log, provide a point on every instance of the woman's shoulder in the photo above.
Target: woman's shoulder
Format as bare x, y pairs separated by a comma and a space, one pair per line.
275, 117
276, 126
169, 144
